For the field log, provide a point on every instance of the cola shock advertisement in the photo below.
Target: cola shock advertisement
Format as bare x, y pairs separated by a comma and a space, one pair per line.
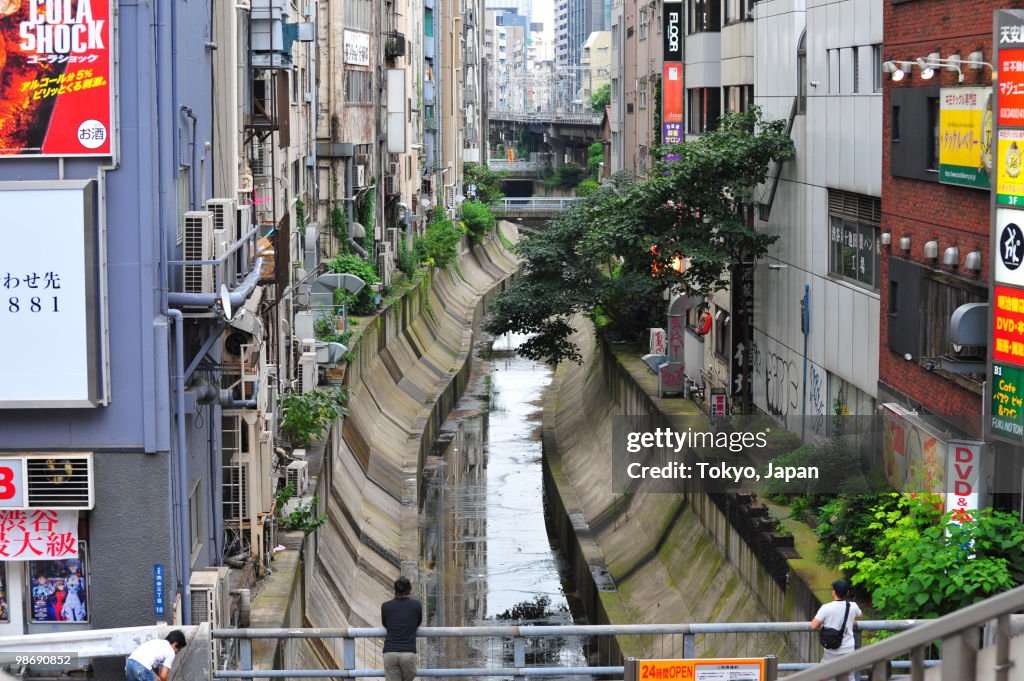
55, 71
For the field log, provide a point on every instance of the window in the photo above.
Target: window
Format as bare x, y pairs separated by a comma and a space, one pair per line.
933, 133
643, 24
854, 248
359, 15
358, 87
856, 70
801, 75
876, 68
428, 23
195, 518
739, 98
941, 294
896, 124
738, 10
721, 327
705, 16
705, 107
833, 72
641, 93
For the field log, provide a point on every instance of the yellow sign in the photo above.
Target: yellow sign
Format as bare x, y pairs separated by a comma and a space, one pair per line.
965, 136
1010, 178
722, 669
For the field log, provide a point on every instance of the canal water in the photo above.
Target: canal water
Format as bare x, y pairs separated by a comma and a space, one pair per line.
485, 555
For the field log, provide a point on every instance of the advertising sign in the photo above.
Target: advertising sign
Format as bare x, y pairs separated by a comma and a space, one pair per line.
672, 92
719, 402
1009, 247
159, 603
672, 32
51, 351
963, 475
56, 96
913, 453
1010, 177
59, 588
1008, 326
357, 48
1007, 407
721, 669
1011, 87
672, 133
38, 534
965, 139
12, 483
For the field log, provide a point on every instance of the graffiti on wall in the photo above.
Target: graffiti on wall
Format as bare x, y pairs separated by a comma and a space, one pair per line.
778, 385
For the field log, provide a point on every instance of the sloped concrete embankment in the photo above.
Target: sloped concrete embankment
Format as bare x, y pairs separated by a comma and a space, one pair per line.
413, 365
650, 558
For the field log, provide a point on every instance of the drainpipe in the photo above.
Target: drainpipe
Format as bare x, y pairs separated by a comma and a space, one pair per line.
237, 297
805, 326
182, 459
350, 201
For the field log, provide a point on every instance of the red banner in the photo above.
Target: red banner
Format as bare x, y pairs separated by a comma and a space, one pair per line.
1008, 326
672, 93
1011, 87
55, 91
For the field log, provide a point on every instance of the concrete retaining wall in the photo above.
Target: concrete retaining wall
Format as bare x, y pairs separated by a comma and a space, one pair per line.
413, 362
652, 558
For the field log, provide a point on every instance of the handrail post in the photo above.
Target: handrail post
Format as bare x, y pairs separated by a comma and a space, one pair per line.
245, 654
1003, 663
348, 652
689, 646
917, 664
518, 656
959, 654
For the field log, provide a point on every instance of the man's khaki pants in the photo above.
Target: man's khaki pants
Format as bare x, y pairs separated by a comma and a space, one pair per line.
399, 666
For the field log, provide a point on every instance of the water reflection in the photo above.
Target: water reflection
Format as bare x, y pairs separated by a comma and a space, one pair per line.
485, 556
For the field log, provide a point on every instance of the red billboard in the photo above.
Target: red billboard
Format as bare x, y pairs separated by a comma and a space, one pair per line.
1008, 326
672, 92
1011, 87
55, 90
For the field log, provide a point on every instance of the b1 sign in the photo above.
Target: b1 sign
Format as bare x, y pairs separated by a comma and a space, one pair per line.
51, 349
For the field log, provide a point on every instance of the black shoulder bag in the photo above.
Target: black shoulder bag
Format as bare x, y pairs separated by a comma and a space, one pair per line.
833, 638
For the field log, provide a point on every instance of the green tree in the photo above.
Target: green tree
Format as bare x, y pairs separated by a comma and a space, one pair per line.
601, 98
487, 182
439, 244
477, 218
615, 250
595, 156
924, 565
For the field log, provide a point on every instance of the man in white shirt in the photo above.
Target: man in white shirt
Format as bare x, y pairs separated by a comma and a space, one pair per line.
152, 660
831, 615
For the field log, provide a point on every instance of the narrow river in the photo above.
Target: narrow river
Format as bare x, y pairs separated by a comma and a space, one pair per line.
485, 556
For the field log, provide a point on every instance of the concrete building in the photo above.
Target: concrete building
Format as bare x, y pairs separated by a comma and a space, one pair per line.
637, 53
157, 434
596, 63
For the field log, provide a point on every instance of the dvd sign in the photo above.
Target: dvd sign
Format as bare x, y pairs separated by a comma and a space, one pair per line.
673, 32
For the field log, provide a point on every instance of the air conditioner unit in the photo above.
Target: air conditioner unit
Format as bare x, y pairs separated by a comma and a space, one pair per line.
243, 469
360, 180
308, 371
236, 491
198, 244
63, 481
210, 602
391, 185
259, 159
225, 217
243, 221
297, 475
305, 326
393, 238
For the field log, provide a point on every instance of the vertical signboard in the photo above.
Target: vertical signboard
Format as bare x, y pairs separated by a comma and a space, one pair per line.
1005, 383
672, 73
159, 603
56, 95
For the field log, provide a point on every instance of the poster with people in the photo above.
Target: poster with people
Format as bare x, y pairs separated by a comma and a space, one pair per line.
58, 589
5, 612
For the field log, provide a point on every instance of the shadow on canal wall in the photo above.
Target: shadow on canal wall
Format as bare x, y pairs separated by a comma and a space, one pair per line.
653, 558
412, 364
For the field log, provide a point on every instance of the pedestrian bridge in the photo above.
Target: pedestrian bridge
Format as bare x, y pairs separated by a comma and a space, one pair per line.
979, 643
534, 207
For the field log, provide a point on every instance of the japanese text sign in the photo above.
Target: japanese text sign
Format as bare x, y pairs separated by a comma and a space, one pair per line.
12, 483
1008, 326
56, 96
725, 669
38, 534
965, 136
1010, 178
963, 475
1011, 87
1007, 420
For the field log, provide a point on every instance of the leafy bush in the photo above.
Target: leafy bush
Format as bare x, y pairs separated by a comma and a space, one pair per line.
439, 244
848, 523
565, 176
486, 181
350, 263
302, 517
406, 258
924, 565
305, 416
586, 187
477, 218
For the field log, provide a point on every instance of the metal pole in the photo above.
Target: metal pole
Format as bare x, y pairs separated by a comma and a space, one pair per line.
771, 668
805, 326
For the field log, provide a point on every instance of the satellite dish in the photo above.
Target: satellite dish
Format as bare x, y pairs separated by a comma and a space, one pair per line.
225, 301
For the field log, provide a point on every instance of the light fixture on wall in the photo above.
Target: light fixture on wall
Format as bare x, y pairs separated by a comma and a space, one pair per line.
973, 261
886, 238
931, 249
904, 243
953, 64
951, 256
927, 66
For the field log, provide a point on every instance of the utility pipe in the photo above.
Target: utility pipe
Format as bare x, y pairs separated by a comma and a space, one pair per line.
182, 458
350, 201
236, 298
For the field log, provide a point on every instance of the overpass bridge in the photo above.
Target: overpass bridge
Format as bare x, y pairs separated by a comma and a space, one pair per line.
516, 209
982, 642
562, 132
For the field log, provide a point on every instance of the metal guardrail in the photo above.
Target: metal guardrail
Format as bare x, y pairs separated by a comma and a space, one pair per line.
547, 117
514, 640
498, 164
539, 204
959, 633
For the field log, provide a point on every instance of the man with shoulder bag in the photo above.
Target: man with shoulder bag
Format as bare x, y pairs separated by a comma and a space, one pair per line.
834, 623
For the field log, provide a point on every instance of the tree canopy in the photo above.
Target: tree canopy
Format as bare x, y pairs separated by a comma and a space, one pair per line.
601, 98
615, 251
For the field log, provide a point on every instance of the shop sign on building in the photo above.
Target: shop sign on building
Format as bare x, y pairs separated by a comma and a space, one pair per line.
50, 291
57, 77
38, 534
965, 136
357, 48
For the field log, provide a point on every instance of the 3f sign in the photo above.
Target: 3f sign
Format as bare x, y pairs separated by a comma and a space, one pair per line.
12, 484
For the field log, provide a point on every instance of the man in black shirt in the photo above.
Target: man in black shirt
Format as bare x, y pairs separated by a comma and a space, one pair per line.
401, 616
